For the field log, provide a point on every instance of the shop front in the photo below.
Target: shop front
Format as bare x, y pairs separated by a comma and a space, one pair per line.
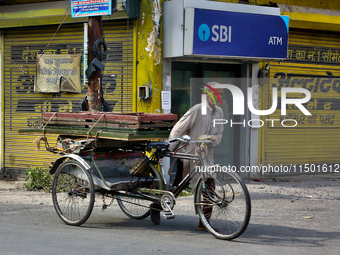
208, 41
25, 96
313, 64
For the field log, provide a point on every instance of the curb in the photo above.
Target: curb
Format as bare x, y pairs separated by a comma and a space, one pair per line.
12, 185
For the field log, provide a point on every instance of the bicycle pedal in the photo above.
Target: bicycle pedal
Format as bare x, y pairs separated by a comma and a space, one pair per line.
169, 216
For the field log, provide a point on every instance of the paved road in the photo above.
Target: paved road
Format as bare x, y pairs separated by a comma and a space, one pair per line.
294, 217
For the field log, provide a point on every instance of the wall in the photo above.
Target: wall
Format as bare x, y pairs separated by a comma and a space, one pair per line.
149, 54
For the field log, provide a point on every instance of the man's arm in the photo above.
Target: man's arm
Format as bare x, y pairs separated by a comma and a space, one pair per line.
218, 131
182, 127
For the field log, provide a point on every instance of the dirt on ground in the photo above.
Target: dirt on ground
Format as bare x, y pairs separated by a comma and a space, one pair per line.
294, 188
289, 215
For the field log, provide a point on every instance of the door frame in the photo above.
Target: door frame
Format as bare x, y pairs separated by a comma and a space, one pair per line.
242, 153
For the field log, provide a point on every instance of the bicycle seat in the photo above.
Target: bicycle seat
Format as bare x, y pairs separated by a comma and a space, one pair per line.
157, 145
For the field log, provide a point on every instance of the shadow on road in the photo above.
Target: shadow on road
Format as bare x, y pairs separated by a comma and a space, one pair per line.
255, 233
287, 236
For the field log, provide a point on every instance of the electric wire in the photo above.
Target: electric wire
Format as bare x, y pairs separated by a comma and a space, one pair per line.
67, 13
285, 8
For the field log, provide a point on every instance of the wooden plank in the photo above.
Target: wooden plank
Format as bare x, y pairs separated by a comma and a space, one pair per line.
124, 117
90, 120
109, 134
117, 126
67, 122
102, 135
113, 130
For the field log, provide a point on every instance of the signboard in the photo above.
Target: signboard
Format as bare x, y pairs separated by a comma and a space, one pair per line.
234, 34
166, 100
86, 8
58, 72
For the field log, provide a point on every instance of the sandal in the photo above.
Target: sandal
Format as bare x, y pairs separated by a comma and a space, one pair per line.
155, 213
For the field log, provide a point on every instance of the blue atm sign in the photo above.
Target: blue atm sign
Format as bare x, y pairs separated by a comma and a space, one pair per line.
233, 34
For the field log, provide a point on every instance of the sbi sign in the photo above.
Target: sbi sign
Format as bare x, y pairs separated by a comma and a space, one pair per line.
236, 34
216, 33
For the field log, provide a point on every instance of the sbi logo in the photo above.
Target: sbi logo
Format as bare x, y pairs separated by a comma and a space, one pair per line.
219, 33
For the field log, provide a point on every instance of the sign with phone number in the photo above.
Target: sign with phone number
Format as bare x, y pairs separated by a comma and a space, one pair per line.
87, 8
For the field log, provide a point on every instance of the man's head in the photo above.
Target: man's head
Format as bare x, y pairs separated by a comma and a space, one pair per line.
209, 98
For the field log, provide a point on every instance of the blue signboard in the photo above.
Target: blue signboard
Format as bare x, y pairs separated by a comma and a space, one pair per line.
86, 8
222, 33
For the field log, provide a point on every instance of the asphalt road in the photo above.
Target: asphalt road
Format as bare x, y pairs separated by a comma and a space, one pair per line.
293, 217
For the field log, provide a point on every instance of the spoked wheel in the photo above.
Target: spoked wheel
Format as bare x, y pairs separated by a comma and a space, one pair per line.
133, 207
136, 206
223, 205
73, 193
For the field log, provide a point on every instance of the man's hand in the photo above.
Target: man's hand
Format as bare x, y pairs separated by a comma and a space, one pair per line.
207, 137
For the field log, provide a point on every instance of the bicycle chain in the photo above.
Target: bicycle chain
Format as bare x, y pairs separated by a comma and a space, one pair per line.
105, 206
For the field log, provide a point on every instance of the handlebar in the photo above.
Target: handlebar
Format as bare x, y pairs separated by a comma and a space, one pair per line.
178, 139
202, 139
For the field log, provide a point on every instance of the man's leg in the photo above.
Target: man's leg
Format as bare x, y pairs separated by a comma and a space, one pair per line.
179, 173
207, 209
155, 213
155, 209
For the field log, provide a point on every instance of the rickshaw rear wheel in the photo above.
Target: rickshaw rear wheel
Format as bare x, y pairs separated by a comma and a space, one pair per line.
136, 206
73, 193
133, 207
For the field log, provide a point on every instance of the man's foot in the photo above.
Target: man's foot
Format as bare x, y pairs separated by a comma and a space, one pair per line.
201, 227
155, 213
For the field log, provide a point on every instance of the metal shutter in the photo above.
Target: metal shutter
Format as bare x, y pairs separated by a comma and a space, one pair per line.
119, 38
23, 106
313, 63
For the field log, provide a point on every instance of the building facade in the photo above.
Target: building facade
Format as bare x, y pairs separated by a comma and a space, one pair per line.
152, 48
32, 29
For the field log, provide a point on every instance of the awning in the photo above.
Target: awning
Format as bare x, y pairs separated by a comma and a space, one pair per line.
311, 18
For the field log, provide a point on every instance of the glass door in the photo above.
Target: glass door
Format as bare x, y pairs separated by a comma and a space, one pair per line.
185, 94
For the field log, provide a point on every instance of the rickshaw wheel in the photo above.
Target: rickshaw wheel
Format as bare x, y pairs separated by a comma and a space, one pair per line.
73, 193
134, 208
223, 204
138, 207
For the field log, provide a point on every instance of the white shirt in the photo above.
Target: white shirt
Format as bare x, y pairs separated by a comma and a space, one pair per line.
194, 124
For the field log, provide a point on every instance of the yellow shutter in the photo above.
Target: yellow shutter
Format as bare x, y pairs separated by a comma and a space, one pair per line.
23, 106
313, 63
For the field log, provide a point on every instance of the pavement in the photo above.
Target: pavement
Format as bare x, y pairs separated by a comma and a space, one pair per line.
290, 215
11, 185
303, 179
298, 187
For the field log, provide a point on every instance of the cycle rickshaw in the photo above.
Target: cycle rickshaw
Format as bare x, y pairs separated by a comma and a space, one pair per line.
131, 172
78, 177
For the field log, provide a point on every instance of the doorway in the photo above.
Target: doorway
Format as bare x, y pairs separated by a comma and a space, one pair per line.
185, 93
